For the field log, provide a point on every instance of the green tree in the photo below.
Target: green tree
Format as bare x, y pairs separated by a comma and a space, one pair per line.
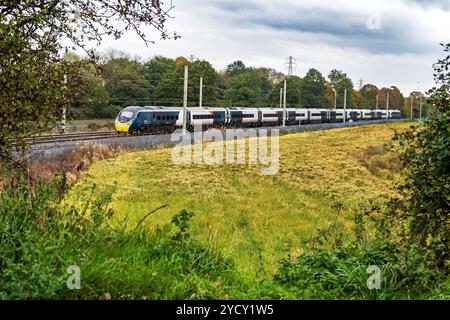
235, 68
293, 93
90, 96
33, 75
340, 81
169, 91
125, 82
245, 90
154, 70
313, 89
424, 202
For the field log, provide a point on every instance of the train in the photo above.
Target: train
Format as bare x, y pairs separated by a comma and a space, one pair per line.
137, 120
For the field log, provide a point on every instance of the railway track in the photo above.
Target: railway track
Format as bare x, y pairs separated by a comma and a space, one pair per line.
86, 136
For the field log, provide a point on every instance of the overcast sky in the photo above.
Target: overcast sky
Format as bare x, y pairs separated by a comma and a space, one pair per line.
384, 42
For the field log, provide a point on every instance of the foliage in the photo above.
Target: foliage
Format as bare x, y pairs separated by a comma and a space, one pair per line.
40, 239
247, 89
169, 90
424, 204
340, 81
312, 89
234, 69
33, 73
125, 83
293, 93
259, 218
333, 269
368, 96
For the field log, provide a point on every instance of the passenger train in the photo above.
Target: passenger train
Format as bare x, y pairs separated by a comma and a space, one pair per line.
154, 119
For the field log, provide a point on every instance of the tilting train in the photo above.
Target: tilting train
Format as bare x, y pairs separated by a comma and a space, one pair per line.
154, 119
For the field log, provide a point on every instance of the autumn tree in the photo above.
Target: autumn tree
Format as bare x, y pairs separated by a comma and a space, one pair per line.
340, 81
368, 96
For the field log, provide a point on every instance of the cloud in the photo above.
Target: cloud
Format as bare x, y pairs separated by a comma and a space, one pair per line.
318, 33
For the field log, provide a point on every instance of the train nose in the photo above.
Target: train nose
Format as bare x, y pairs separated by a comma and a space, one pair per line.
121, 127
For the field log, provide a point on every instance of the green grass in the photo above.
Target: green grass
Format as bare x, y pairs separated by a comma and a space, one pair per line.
255, 220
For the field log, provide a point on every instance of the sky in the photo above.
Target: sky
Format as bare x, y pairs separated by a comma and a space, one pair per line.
383, 42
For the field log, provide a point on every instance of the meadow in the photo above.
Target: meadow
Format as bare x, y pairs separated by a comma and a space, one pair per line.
324, 177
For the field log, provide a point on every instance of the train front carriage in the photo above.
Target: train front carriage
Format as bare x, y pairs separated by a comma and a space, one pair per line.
125, 118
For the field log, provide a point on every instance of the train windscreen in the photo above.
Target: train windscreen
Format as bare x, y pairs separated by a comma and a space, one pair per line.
125, 116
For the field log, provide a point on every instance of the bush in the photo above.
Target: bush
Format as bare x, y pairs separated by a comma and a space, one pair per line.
39, 240
343, 272
423, 206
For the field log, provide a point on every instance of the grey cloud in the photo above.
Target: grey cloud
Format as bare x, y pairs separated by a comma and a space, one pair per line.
344, 28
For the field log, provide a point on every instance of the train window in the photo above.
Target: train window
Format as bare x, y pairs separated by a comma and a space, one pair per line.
300, 114
125, 116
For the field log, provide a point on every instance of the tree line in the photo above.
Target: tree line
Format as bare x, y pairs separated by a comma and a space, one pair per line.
122, 81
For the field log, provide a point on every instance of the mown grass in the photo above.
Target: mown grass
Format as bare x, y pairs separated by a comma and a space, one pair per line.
255, 220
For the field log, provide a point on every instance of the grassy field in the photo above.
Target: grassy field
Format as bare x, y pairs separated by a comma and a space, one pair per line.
256, 220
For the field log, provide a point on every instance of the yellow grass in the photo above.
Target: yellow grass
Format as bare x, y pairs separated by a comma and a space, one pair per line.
254, 219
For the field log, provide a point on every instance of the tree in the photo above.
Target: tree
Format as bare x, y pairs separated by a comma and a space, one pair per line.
33, 72
368, 96
90, 96
245, 90
424, 203
236, 68
329, 96
293, 93
313, 89
340, 81
396, 100
125, 82
154, 69
169, 91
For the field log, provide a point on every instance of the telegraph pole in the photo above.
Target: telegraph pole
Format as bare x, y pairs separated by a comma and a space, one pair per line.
376, 105
420, 110
284, 104
387, 105
290, 63
63, 120
412, 102
335, 98
200, 104
185, 98
345, 105
281, 98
